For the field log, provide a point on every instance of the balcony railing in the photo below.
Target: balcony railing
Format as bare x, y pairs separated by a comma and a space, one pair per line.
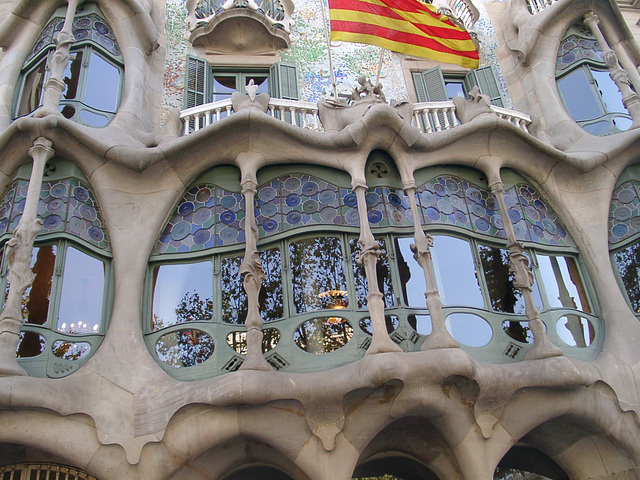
536, 6
273, 10
429, 116
33, 471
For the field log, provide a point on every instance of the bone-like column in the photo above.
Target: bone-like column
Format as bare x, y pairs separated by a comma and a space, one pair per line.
368, 257
18, 253
439, 336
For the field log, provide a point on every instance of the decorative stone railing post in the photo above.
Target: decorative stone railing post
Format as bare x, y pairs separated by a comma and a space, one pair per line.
55, 86
368, 257
439, 336
519, 265
18, 253
630, 98
252, 276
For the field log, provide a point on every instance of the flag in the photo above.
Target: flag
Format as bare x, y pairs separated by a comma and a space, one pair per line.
405, 26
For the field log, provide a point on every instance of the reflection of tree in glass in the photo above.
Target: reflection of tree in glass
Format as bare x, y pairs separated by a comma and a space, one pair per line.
70, 351
628, 261
503, 295
37, 298
320, 335
238, 340
30, 344
271, 291
519, 331
514, 474
192, 309
184, 348
383, 271
316, 266
234, 298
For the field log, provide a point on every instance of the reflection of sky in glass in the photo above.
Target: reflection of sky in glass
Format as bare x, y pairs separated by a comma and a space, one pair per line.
578, 96
82, 290
551, 283
174, 281
609, 91
415, 285
103, 84
469, 329
565, 334
456, 272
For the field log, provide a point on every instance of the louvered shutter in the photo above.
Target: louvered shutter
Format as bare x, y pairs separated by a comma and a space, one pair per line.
485, 78
430, 87
283, 83
196, 85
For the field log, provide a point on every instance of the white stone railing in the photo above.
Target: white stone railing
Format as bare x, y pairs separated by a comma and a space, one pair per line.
429, 116
536, 6
464, 11
27, 471
277, 12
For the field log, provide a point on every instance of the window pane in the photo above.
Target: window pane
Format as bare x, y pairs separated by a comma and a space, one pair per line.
32, 89
411, 274
71, 76
271, 291
383, 271
503, 295
455, 272
234, 298
575, 331
628, 261
317, 270
80, 308
184, 348
92, 119
454, 88
468, 329
259, 80
323, 335
579, 96
223, 86
182, 293
562, 283
35, 301
102, 84
609, 91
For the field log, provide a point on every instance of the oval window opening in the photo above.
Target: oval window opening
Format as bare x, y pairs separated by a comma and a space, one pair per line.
184, 348
391, 322
575, 331
30, 345
323, 335
70, 350
518, 331
469, 329
420, 323
238, 340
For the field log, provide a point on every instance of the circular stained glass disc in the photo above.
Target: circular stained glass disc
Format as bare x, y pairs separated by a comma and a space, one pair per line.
267, 210
201, 215
77, 225
52, 222
622, 213
427, 197
292, 200
228, 234
481, 224
204, 194
309, 189
433, 213
626, 195
372, 199
228, 201
327, 196
96, 234
266, 194
81, 194
635, 223
294, 217
374, 216
328, 214
228, 217
186, 209
619, 230
56, 205
292, 184
269, 225
202, 236
351, 217
310, 206
474, 194
350, 200
58, 190
394, 199
88, 212
180, 231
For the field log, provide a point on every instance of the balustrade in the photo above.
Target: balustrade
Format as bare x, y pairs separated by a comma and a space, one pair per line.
536, 6
41, 472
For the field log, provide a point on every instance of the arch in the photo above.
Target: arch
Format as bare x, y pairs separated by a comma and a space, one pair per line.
526, 459
398, 466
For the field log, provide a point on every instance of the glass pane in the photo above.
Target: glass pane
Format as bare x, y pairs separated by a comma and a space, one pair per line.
468, 329
598, 128
71, 76
391, 322
562, 283
30, 345
102, 84
628, 262
519, 331
271, 291
317, 271
32, 89
80, 308
184, 348
92, 119
579, 96
383, 272
323, 335
70, 350
575, 331
456, 272
609, 91
411, 274
234, 298
503, 295
223, 86
420, 323
454, 88
259, 80
238, 340
182, 293
35, 300
622, 123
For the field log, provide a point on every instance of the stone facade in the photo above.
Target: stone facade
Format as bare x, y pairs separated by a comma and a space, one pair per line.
416, 370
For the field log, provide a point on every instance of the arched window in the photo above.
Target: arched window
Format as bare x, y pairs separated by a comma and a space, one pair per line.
589, 93
624, 233
93, 77
65, 308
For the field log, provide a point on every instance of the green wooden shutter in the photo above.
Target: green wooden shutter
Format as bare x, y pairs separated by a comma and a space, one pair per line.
485, 78
430, 87
283, 81
196, 82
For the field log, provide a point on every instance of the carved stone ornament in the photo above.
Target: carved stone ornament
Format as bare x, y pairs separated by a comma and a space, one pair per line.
477, 104
249, 100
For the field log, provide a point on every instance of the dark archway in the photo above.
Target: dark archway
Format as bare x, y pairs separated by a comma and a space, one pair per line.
258, 473
394, 467
526, 460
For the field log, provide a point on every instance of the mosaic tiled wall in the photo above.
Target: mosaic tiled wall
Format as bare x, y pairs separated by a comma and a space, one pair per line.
310, 53
624, 219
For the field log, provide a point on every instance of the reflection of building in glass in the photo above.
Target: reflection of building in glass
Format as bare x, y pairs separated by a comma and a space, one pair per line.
216, 268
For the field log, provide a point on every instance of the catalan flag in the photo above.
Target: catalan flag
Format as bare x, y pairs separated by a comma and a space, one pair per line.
405, 26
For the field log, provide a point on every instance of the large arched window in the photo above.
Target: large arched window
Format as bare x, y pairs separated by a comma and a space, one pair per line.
624, 235
93, 78
65, 309
589, 94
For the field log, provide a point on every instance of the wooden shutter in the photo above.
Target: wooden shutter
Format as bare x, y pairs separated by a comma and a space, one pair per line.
196, 82
430, 87
283, 81
485, 78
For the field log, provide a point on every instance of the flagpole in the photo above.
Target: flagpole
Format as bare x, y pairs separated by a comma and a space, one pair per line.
379, 67
326, 38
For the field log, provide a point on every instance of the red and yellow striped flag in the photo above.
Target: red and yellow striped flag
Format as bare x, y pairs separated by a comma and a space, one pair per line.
405, 26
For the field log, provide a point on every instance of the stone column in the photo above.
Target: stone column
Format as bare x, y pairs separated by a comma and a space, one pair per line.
368, 257
439, 336
630, 98
18, 256
519, 265
58, 62
252, 276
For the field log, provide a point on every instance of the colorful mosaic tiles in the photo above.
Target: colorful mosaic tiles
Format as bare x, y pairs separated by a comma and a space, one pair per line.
206, 217
575, 48
624, 218
86, 27
65, 206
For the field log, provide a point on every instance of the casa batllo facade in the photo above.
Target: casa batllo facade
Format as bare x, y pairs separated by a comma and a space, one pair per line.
226, 257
